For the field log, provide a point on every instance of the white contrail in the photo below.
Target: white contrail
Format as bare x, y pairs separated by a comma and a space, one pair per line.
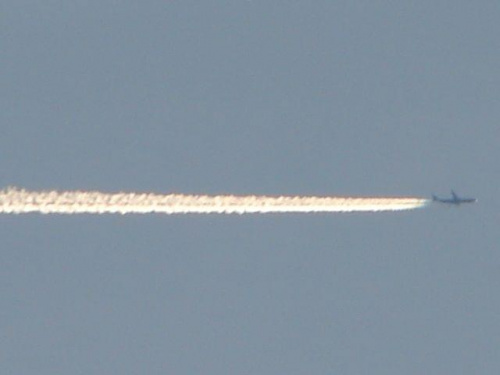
16, 201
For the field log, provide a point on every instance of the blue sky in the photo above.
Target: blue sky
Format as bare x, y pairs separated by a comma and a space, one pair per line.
328, 97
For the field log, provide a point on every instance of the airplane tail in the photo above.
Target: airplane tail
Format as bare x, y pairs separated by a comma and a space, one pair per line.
434, 198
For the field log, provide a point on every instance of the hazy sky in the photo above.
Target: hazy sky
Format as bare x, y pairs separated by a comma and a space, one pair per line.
266, 97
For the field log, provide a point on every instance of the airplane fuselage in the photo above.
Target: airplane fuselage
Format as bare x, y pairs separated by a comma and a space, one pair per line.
455, 199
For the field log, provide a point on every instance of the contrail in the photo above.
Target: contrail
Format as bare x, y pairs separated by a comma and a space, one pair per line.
16, 201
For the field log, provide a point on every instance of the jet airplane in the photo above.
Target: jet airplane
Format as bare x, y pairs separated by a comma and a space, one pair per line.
455, 199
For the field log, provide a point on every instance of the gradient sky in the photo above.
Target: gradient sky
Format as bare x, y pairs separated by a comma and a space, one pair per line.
265, 97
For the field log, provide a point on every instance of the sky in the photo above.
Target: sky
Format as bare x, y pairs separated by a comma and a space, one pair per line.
252, 97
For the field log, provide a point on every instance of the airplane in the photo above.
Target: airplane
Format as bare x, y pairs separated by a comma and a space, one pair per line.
455, 199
